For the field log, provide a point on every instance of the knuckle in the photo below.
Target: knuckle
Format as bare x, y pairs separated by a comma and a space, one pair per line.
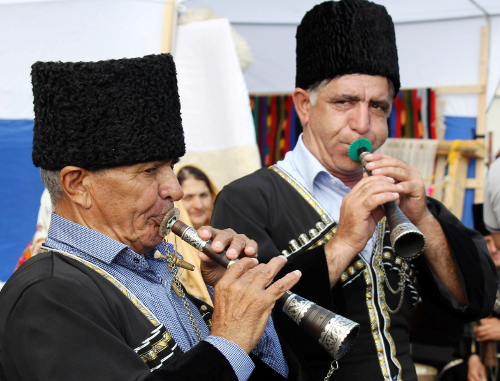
281, 286
265, 272
238, 266
242, 237
230, 233
222, 284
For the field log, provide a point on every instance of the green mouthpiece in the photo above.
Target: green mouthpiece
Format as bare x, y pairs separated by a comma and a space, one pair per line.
356, 145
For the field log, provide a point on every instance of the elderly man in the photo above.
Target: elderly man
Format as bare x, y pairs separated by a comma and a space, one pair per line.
347, 76
103, 301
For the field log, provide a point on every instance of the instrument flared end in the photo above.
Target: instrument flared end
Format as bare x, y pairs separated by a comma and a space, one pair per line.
409, 244
338, 335
349, 339
165, 224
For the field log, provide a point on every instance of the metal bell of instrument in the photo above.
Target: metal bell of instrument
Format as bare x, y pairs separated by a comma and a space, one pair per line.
333, 332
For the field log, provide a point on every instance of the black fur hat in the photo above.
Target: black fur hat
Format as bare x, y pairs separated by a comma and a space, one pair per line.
477, 214
346, 37
105, 114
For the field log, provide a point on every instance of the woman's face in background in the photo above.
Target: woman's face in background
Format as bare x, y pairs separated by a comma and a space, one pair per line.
494, 251
198, 201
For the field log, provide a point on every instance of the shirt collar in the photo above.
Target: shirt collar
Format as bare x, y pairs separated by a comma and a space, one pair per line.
309, 167
84, 239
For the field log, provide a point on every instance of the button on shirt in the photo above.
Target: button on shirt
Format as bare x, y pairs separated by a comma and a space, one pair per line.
150, 281
327, 189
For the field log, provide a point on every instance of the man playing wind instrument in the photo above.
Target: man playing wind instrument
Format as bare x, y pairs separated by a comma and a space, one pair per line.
347, 77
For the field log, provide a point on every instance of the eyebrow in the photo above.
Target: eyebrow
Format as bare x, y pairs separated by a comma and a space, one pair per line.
383, 104
346, 96
357, 98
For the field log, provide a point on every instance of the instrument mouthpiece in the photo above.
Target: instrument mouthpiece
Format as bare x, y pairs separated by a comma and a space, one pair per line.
166, 224
356, 148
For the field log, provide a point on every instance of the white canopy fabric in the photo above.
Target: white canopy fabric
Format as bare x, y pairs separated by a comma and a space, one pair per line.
438, 40
438, 43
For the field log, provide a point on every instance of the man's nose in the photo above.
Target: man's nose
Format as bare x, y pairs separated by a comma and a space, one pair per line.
169, 186
197, 203
361, 118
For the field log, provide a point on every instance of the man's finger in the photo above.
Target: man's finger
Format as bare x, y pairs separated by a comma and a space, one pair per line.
284, 284
237, 269
241, 244
222, 238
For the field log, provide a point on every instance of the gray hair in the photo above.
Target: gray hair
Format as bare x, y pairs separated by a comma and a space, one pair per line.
318, 86
50, 179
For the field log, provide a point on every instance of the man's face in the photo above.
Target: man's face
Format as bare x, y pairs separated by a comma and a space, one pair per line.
494, 251
129, 202
348, 108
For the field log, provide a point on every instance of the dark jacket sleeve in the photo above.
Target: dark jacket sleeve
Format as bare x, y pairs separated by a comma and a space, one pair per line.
60, 332
477, 272
78, 326
255, 212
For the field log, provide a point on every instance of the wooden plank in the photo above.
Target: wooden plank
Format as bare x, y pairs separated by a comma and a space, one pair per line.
463, 89
483, 78
167, 29
474, 184
438, 180
455, 189
468, 148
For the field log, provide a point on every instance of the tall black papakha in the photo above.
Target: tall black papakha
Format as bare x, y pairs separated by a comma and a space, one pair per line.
346, 37
105, 114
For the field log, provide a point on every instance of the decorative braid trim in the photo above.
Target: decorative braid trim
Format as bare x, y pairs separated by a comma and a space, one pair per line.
160, 347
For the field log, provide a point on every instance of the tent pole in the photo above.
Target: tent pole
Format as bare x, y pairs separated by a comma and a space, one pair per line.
167, 26
481, 112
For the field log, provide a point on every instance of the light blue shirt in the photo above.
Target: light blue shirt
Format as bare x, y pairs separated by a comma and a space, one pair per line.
150, 281
326, 188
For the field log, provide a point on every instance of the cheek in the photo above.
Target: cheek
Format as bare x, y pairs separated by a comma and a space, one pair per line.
208, 206
186, 204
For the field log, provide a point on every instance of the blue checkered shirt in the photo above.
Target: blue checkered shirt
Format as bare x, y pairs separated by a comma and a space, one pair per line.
150, 281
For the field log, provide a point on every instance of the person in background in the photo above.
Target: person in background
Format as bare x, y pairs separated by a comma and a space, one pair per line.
199, 195
197, 206
480, 341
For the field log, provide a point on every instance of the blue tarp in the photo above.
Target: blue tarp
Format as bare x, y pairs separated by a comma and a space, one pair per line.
20, 192
462, 128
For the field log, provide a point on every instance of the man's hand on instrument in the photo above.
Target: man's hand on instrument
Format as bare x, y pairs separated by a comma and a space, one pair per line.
359, 214
488, 329
412, 200
236, 246
361, 210
244, 300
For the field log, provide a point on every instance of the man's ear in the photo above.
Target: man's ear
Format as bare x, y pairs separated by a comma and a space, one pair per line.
302, 105
75, 184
